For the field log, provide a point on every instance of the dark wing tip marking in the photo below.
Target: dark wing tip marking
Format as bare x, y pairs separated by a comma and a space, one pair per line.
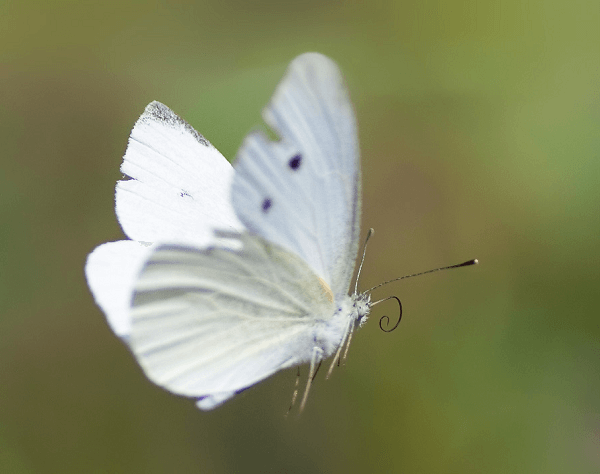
162, 113
295, 162
266, 204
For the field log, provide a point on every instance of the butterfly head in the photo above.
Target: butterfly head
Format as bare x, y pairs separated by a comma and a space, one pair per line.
361, 307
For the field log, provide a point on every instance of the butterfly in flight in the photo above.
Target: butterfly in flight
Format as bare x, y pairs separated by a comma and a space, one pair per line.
231, 274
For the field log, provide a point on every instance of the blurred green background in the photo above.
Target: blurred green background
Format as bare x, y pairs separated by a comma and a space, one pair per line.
480, 134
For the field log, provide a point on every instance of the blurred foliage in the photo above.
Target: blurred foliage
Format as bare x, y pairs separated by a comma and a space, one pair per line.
479, 128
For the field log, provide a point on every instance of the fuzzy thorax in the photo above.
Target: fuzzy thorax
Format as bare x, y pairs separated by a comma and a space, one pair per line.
350, 311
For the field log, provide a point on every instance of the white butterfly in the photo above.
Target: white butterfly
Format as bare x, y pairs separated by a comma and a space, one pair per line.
233, 274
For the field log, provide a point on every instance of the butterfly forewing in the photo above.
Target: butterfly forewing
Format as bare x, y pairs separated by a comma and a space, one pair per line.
179, 183
303, 191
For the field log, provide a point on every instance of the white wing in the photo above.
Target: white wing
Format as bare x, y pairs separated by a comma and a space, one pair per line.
179, 191
210, 322
111, 270
179, 183
303, 192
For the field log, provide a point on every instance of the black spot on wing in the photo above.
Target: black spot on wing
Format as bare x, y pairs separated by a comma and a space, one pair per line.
184, 193
266, 205
162, 113
295, 162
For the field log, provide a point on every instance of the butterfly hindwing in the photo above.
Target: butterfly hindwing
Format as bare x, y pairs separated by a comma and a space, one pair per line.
111, 270
210, 321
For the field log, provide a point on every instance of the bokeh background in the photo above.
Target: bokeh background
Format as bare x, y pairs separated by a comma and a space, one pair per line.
480, 133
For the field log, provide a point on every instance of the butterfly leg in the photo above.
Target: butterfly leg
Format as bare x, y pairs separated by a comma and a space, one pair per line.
348, 343
336, 358
295, 394
314, 361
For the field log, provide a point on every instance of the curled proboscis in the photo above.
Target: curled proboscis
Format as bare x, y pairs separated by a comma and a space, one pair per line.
387, 318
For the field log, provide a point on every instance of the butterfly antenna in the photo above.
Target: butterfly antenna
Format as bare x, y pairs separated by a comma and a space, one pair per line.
362, 260
464, 264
